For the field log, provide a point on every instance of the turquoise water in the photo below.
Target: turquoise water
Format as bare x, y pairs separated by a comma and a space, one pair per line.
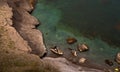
89, 21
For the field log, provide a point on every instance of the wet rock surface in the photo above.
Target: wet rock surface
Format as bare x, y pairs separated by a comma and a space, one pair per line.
66, 66
71, 40
75, 56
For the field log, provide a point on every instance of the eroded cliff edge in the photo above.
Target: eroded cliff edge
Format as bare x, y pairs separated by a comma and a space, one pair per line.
25, 24
19, 38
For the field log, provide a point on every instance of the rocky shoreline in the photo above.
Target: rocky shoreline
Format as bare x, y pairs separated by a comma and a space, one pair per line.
20, 27
21, 44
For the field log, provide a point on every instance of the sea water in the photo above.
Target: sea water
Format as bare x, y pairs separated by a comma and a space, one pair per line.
93, 22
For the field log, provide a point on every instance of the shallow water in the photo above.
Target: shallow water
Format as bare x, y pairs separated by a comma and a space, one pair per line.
81, 19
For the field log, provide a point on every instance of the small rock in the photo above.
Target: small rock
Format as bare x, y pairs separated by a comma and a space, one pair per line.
110, 63
117, 69
71, 40
74, 53
83, 47
118, 58
82, 60
56, 50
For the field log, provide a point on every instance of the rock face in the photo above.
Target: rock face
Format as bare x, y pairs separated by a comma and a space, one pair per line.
6, 23
25, 24
21, 28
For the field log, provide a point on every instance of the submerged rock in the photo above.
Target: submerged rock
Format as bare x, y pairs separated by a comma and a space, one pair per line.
110, 63
71, 40
82, 47
66, 66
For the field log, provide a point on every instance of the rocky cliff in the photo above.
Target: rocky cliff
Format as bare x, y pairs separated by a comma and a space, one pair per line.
25, 24
19, 38
21, 44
